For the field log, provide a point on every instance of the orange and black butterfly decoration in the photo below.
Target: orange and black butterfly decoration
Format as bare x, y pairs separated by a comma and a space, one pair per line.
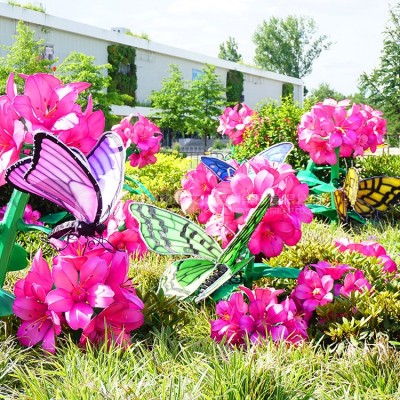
366, 197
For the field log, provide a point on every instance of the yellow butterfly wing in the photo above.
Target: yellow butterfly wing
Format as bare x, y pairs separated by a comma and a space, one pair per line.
351, 185
339, 198
378, 193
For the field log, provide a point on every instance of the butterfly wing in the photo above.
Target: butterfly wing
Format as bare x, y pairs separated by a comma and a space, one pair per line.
340, 201
182, 278
58, 174
234, 249
350, 185
277, 153
107, 165
220, 168
236, 246
168, 233
378, 193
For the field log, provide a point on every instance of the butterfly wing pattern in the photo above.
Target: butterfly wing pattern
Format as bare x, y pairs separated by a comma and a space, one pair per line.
65, 177
220, 168
347, 195
377, 194
277, 152
224, 171
171, 234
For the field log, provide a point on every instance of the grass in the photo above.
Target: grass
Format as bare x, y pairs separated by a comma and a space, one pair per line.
182, 362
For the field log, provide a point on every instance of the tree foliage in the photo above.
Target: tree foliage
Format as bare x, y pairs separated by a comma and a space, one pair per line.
288, 46
189, 106
229, 50
25, 56
171, 101
382, 86
206, 99
324, 91
78, 67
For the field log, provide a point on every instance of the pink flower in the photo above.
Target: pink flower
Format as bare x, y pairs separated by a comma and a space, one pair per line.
123, 231
330, 125
85, 133
145, 138
234, 123
355, 282
80, 287
313, 290
334, 271
47, 103
369, 248
227, 326
113, 324
40, 324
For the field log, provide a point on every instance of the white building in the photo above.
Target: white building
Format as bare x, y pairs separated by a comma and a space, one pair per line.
152, 59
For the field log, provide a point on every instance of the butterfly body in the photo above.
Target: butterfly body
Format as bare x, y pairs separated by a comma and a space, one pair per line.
168, 233
86, 186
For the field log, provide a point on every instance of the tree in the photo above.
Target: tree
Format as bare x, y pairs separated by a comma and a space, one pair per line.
78, 67
234, 79
324, 91
229, 50
206, 99
171, 101
382, 86
25, 56
288, 46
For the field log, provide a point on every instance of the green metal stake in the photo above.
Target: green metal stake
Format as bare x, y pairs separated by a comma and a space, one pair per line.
335, 175
8, 229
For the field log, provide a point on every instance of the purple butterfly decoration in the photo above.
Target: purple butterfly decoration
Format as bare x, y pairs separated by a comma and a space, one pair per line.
86, 186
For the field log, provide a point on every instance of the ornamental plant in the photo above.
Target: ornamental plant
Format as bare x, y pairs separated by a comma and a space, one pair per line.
353, 295
234, 122
85, 289
89, 293
331, 125
224, 206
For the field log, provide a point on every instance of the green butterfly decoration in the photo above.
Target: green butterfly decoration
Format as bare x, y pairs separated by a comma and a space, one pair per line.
168, 233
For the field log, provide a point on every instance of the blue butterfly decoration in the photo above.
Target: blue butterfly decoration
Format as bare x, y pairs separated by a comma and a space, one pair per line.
224, 171
86, 186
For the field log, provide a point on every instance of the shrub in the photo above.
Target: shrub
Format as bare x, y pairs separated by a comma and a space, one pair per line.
274, 123
162, 179
385, 164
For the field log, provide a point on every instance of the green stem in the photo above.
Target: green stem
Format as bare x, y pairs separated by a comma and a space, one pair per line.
8, 229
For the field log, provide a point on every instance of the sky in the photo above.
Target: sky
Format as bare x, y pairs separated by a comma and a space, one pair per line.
354, 26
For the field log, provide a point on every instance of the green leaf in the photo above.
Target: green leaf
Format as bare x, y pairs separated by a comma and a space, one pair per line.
54, 218
18, 259
6, 302
261, 270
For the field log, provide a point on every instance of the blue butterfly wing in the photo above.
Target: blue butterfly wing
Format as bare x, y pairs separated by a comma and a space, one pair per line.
107, 165
59, 175
220, 168
277, 153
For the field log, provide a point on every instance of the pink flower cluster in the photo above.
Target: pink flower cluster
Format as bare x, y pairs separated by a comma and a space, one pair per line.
46, 105
319, 286
89, 292
145, 138
371, 249
234, 122
224, 206
30, 216
331, 125
263, 315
